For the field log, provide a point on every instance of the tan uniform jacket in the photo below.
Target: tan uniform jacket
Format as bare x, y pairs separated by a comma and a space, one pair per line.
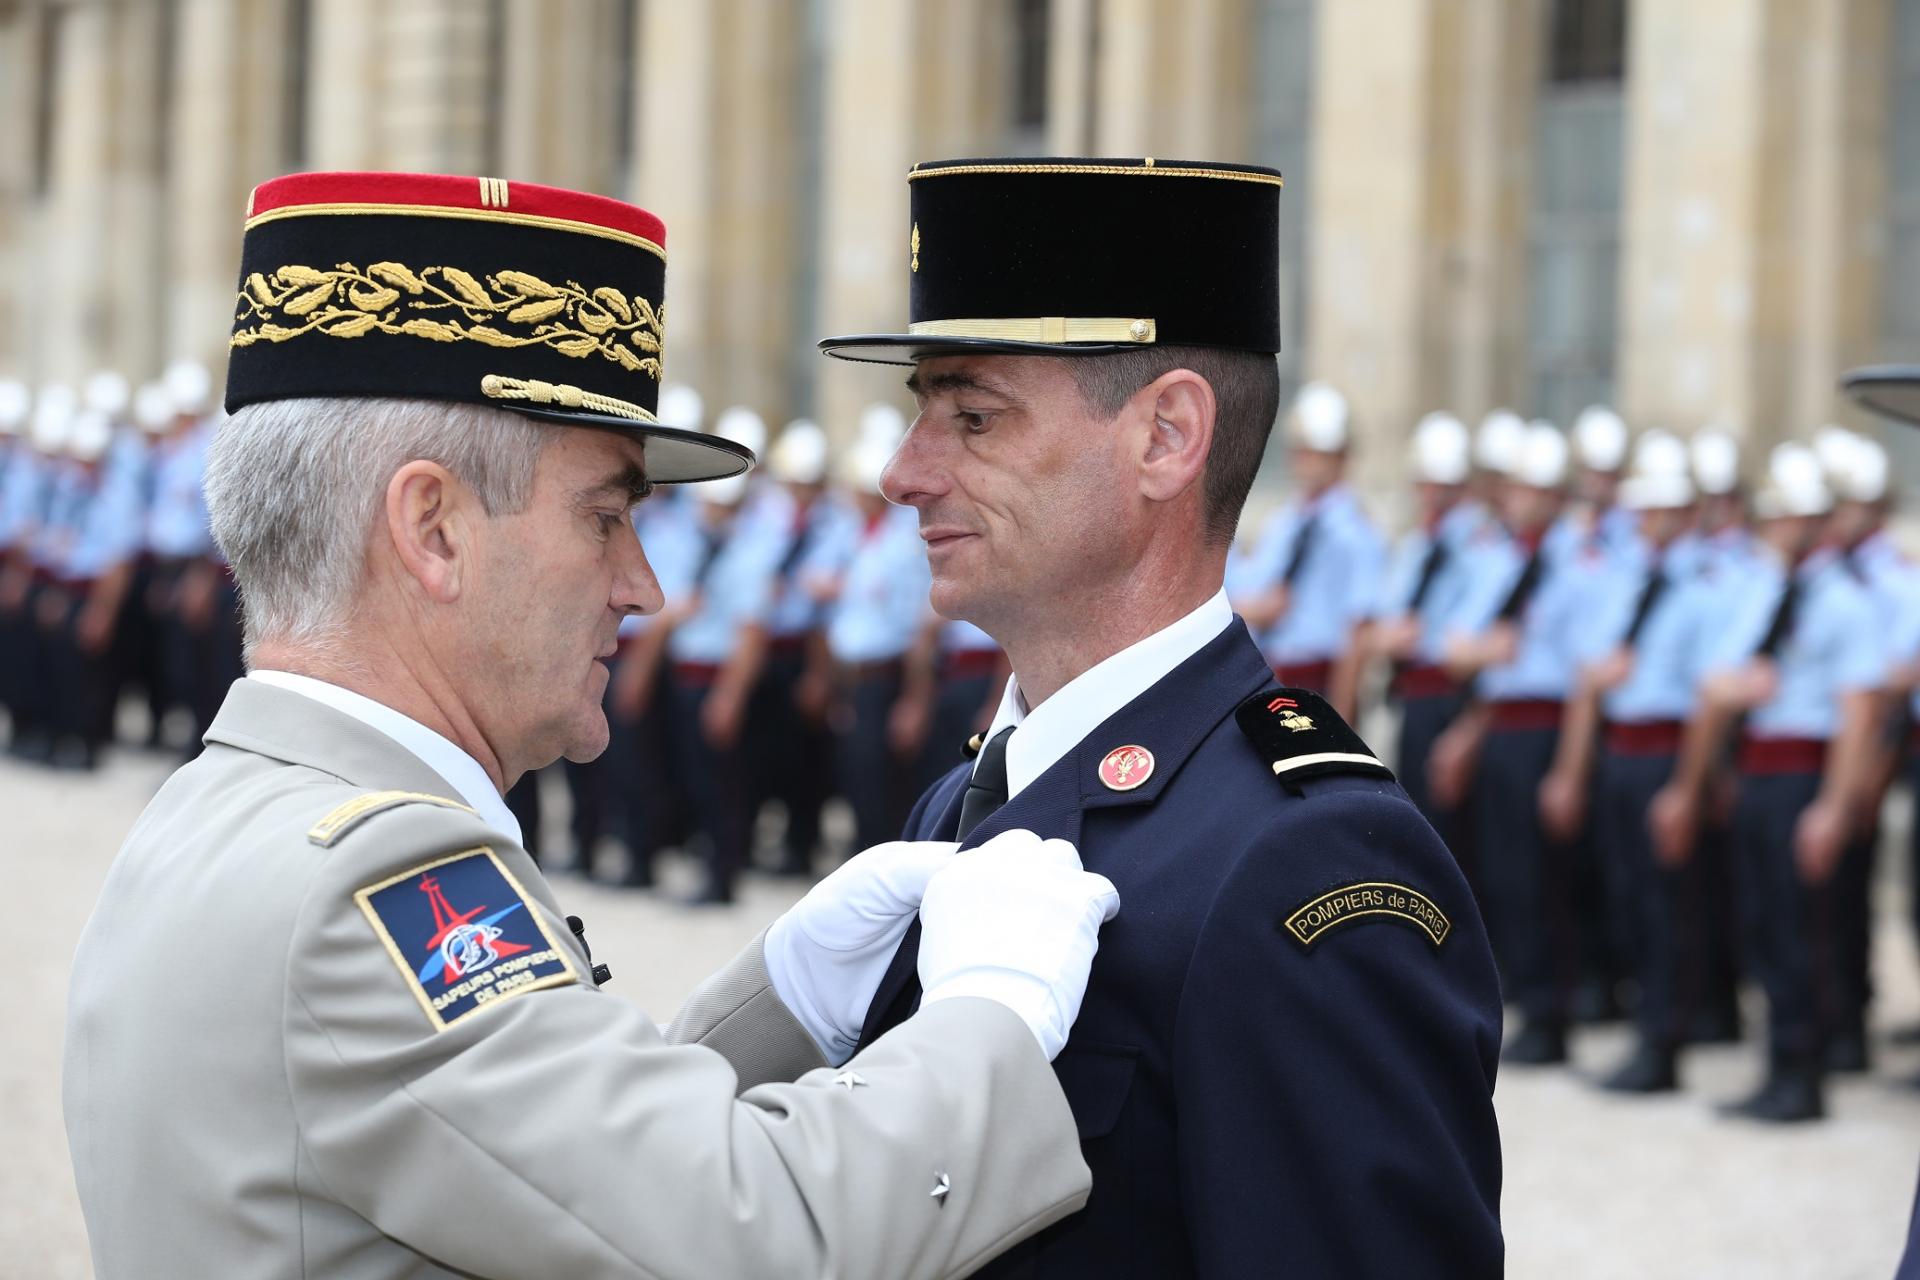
257, 1084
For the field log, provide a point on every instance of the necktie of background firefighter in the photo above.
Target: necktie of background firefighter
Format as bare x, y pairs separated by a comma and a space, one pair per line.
796, 549
1649, 596
1430, 566
1302, 544
709, 553
986, 792
1523, 589
1782, 625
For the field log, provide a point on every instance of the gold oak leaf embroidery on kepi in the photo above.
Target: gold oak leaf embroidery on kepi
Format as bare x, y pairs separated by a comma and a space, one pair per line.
446, 304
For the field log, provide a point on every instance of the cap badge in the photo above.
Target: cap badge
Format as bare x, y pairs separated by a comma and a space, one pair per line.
1286, 710
916, 246
1126, 768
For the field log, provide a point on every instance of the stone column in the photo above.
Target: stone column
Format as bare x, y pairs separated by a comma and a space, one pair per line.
557, 114
872, 137
1418, 204
1070, 41
231, 80
20, 72
99, 278
677, 177
1750, 271
409, 86
1173, 79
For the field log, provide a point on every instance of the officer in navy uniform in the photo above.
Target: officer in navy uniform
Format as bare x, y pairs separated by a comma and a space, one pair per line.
1286, 1057
1797, 653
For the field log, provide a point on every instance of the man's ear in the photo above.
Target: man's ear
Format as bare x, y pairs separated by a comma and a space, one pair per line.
430, 524
1179, 410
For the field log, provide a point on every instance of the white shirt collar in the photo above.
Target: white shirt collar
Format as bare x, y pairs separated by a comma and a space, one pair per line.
1047, 732
461, 770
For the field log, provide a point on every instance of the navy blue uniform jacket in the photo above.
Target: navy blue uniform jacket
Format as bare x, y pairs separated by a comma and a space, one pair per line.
1251, 1106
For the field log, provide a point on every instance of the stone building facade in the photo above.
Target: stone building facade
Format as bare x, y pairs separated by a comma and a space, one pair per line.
1700, 211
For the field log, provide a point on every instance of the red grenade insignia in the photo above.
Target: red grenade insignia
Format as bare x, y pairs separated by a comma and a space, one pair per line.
1126, 768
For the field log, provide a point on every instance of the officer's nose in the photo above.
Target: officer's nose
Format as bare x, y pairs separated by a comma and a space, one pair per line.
635, 588
917, 473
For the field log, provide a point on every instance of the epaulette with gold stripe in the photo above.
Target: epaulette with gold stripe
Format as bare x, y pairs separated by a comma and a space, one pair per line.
357, 810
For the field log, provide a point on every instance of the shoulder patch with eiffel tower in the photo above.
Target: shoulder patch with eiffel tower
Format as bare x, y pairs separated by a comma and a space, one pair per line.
464, 935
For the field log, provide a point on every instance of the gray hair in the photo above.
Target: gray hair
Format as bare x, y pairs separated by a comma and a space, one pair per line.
293, 487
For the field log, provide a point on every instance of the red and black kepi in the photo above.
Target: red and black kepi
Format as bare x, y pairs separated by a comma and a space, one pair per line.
1082, 256
424, 286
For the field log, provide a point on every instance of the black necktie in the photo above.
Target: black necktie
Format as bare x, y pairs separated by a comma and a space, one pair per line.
987, 790
1430, 566
1523, 589
1302, 543
1782, 625
1649, 596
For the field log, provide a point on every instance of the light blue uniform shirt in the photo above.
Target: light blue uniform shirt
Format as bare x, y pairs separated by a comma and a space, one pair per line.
1459, 531
1728, 556
669, 531
735, 591
1549, 624
883, 596
23, 495
1336, 585
1834, 647
177, 521
107, 528
67, 493
830, 533
1670, 654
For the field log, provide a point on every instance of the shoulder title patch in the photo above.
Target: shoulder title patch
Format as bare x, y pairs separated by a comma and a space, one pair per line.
1300, 736
1367, 900
464, 935
357, 810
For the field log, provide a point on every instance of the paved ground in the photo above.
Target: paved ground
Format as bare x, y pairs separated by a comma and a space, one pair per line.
1596, 1187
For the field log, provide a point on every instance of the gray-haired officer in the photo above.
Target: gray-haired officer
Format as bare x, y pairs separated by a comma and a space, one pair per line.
1799, 655
386, 1052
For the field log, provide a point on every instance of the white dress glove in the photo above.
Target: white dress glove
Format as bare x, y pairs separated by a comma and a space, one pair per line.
1016, 920
826, 955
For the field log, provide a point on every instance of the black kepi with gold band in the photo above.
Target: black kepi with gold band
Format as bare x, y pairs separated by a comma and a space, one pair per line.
424, 286
1085, 257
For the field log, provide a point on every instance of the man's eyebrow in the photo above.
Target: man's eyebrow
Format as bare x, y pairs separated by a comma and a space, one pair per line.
629, 482
922, 383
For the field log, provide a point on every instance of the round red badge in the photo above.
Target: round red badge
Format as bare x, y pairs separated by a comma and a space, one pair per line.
1126, 768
